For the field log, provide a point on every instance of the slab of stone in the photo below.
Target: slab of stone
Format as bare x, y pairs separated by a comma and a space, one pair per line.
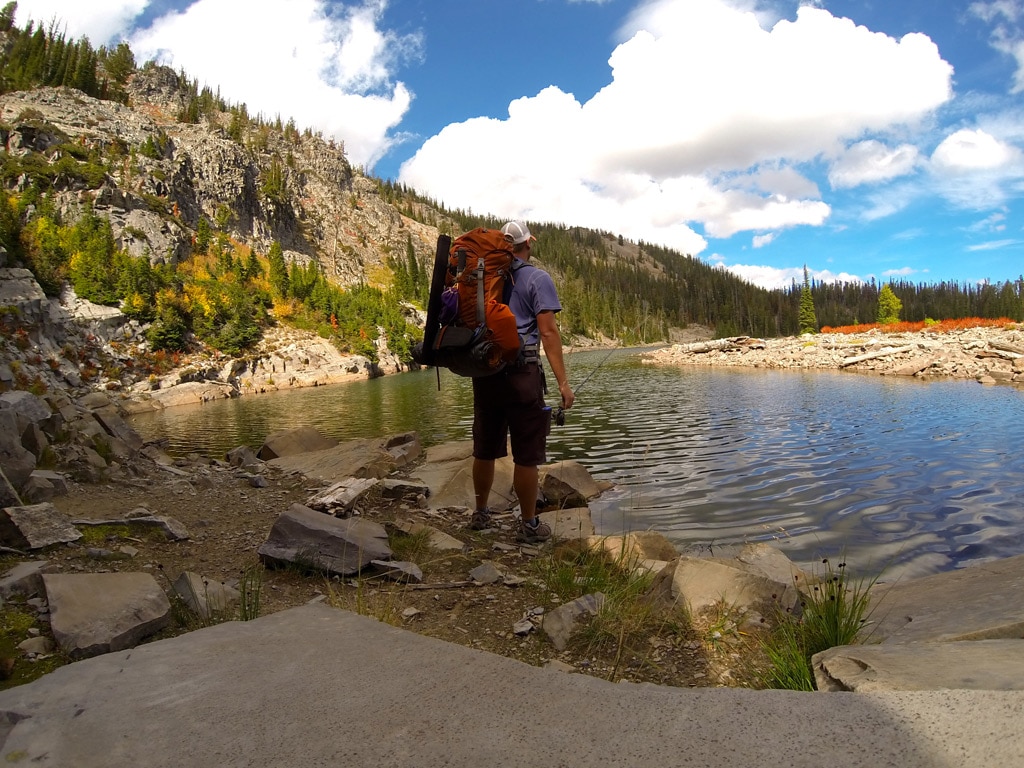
981, 665
115, 426
570, 524
437, 539
451, 482
771, 562
412, 700
559, 623
171, 528
8, 495
36, 526
25, 579
980, 602
96, 613
310, 539
206, 597
393, 488
353, 458
289, 442
404, 448
401, 571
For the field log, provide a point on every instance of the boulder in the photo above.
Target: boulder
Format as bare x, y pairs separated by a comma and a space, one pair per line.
702, 583
569, 483
313, 540
636, 547
29, 408
16, 462
35, 526
570, 524
95, 613
242, 456
290, 442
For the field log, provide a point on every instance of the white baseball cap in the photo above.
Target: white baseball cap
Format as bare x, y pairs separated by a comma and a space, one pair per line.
516, 232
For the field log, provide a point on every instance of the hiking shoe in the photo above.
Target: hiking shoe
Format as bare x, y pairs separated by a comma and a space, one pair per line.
534, 531
481, 520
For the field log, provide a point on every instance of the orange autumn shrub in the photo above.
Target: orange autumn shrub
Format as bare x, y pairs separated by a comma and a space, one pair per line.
939, 326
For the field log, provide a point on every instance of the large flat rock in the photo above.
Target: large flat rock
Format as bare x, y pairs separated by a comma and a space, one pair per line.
980, 602
984, 665
366, 457
315, 686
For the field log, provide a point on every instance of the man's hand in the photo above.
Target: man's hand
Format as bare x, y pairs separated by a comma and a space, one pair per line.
568, 396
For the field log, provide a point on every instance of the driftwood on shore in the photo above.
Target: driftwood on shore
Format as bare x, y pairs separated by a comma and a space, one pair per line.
880, 353
985, 354
738, 342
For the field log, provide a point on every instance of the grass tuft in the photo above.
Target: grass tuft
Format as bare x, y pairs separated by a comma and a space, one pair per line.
834, 612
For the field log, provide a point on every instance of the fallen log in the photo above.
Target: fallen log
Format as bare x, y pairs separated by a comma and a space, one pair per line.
880, 353
699, 347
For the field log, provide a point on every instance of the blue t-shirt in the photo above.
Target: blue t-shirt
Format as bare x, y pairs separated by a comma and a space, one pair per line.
533, 292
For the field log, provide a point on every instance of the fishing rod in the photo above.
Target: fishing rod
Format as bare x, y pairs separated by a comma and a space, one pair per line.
559, 414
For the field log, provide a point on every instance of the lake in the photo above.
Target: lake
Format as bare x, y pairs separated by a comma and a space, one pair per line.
897, 475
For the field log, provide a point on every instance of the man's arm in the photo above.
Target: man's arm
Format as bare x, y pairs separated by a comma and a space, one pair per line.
551, 340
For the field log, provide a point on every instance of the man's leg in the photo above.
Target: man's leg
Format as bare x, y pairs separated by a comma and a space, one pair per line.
525, 482
483, 479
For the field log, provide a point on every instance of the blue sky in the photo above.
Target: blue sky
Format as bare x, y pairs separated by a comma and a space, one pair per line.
864, 138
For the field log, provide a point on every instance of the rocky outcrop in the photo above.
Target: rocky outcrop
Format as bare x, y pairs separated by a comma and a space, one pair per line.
988, 355
321, 210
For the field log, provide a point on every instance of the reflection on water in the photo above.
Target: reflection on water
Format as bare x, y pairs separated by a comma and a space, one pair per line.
912, 476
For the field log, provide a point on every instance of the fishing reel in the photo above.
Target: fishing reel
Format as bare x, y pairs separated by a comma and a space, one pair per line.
559, 416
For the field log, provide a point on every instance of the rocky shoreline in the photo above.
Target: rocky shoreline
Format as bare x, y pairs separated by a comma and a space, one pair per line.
988, 355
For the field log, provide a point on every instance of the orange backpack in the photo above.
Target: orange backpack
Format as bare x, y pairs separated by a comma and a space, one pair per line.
470, 329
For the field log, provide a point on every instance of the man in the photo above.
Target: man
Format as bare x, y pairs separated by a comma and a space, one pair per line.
510, 404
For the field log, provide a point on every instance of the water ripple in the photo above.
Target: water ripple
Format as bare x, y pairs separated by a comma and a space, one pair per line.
914, 476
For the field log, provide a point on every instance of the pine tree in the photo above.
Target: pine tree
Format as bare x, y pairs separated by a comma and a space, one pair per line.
889, 306
808, 318
278, 271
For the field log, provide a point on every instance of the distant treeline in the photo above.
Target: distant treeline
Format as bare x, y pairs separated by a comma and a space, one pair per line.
636, 293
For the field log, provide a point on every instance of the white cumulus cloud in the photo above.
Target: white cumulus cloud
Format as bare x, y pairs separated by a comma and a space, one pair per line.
971, 150
708, 113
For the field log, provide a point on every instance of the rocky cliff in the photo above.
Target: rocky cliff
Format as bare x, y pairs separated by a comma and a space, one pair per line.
260, 186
